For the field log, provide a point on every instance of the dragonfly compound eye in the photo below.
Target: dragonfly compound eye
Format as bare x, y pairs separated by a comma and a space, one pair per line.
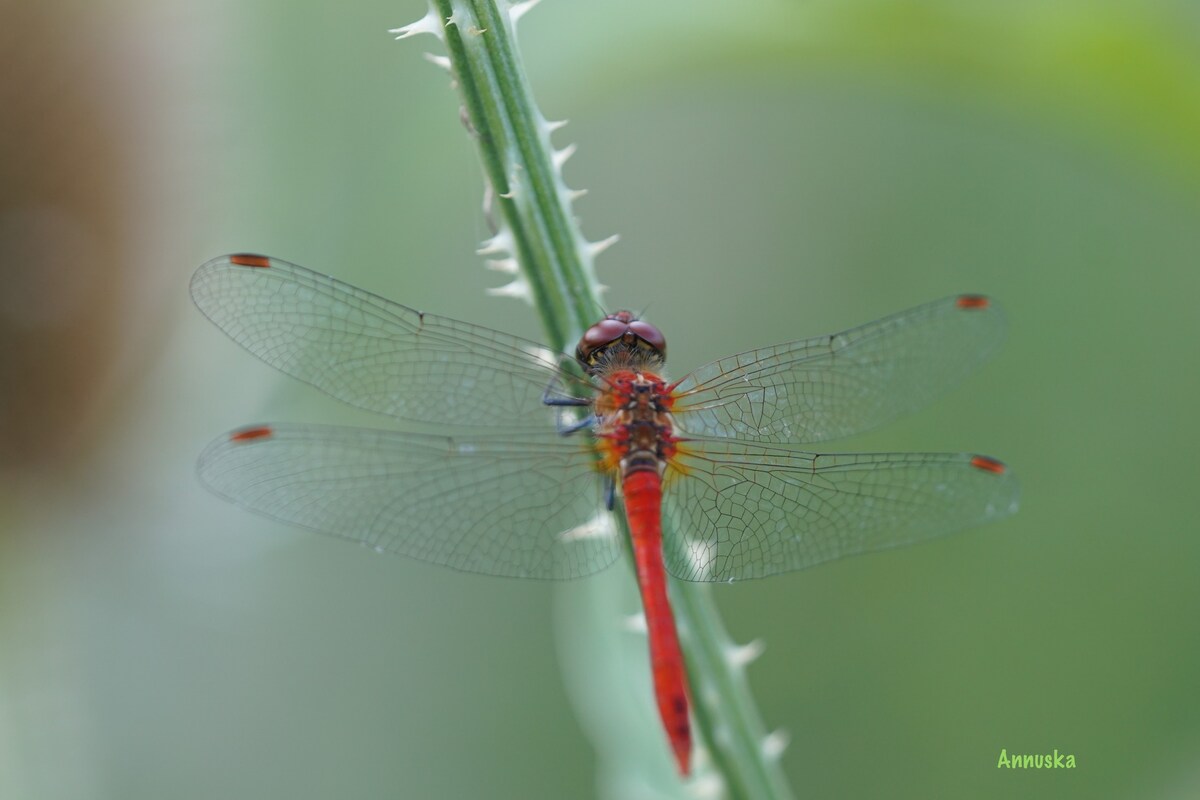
598, 338
650, 337
624, 329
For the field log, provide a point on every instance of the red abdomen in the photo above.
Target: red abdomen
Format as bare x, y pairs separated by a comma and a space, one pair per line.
643, 503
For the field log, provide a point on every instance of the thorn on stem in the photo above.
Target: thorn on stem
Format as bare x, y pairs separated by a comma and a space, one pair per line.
560, 156
439, 61
501, 242
596, 248
430, 23
774, 743
506, 265
518, 289
747, 653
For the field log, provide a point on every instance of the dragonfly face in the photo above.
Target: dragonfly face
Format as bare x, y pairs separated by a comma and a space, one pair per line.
621, 338
497, 488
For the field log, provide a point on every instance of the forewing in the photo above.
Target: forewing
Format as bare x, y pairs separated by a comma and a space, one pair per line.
373, 353
520, 507
829, 387
746, 511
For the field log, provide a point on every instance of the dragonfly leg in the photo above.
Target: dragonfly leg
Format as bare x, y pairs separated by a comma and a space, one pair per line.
553, 400
575, 427
610, 492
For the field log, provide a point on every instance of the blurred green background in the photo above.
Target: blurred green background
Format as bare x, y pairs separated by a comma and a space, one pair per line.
775, 170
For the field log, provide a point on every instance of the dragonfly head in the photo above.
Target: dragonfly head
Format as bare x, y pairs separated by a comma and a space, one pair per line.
621, 337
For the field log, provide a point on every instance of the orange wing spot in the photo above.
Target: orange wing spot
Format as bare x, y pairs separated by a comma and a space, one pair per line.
988, 464
252, 434
972, 301
249, 260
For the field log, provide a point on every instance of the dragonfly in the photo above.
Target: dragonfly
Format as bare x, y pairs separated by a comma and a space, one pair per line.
516, 460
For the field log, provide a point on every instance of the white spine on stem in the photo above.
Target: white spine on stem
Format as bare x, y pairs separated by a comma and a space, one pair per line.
560, 156
508, 266
518, 288
775, 743
739, 657
596, 248
430, 23
500, 244
439, 61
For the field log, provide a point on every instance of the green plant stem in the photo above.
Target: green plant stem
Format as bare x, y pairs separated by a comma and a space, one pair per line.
555, 260
748, 770
508, 130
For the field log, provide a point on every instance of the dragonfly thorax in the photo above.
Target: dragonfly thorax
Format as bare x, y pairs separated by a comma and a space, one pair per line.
634, 420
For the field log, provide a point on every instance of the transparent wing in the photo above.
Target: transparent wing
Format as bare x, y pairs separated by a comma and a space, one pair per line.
745, 511
371, 352
833, 386
520, 507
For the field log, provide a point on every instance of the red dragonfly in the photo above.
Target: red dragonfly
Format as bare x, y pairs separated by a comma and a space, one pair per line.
502, 488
